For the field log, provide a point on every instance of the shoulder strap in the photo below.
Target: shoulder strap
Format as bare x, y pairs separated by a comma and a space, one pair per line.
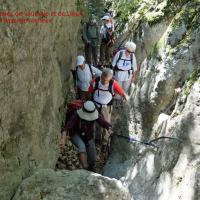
90, 67
110, 87
96, 83
120, 56
76, 73
132, 61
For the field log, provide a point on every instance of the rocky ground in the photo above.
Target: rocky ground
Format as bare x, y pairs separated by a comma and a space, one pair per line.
68, 158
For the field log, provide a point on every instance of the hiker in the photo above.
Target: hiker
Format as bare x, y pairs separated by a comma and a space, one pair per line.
103, 90
125, 66
84, 74
80, 128
107, 40
109, 14
91, 39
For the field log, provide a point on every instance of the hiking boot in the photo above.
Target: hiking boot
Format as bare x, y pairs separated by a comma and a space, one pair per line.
91, 168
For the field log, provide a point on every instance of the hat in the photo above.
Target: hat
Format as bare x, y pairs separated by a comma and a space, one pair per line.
88, 112
80, 60
130, 46
105, 17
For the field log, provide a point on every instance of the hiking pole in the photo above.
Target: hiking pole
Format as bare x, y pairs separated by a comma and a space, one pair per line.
165, 137
150, 143
131, 139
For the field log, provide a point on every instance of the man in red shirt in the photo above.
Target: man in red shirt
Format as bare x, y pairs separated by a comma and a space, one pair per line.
103, 89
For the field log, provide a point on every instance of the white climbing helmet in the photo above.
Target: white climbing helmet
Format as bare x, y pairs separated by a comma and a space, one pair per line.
105, 17
80, 60
130, 46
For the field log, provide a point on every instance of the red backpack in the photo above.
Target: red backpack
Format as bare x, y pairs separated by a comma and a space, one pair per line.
72, 107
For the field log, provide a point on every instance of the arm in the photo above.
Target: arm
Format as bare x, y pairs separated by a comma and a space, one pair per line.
101, 32
114, 62
96, 71
91, 87
97, 33
103, 123
119, 90
65, 133
85, 38
72, 122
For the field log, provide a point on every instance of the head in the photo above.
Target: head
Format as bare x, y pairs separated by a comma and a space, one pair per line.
130, 47
109, 26
88, 112
106, 19
80, 61
92, 20
106, 76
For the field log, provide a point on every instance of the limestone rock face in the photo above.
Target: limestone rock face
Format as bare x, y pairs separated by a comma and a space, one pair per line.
35, 60
62, 185
165, 103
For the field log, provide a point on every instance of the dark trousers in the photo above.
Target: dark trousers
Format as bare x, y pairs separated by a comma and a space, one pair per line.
105, 53
83, 95
91, 54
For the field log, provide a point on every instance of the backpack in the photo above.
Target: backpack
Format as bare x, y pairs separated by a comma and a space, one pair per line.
72, 107
109, 38
87, 27
110, 87
120, 56
74, 74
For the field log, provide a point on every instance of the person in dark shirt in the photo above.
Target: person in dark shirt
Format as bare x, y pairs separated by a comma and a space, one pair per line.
80, 128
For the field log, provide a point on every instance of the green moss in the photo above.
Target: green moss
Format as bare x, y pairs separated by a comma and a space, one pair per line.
160, 44
190, 81
154, 16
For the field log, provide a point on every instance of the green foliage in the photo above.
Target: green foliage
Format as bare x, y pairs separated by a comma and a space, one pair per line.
91, 8
190, 81
124, 9
82, 7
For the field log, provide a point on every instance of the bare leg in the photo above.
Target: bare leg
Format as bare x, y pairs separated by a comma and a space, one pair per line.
83, 160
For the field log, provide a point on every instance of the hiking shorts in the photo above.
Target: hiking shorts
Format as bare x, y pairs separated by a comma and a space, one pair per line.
83, 148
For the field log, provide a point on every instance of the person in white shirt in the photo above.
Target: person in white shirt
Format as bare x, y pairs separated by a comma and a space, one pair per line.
125, 66
84, 74
107, 38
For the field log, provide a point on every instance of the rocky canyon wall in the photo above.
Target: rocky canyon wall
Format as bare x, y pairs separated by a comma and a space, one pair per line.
165, 103
35, 59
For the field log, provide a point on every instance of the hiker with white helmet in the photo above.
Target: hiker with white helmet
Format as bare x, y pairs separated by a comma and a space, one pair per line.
80, 128
125, 65
83, 75
107, 39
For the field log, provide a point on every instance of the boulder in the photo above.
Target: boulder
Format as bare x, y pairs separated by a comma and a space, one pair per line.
78, 184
